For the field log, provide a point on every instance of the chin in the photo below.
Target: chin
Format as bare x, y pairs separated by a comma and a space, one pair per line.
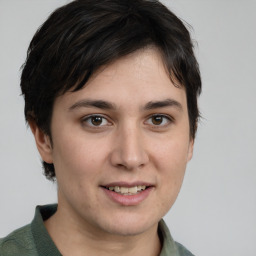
129, 226
127, 230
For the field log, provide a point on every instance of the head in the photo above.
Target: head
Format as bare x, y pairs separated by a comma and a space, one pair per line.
80, 38
110, 93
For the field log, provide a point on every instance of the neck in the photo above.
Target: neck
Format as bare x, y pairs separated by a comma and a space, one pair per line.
73, 238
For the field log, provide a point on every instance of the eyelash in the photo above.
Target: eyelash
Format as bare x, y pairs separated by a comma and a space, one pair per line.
168, 120
88, 121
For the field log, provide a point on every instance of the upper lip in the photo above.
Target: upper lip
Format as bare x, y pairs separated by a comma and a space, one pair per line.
127, 184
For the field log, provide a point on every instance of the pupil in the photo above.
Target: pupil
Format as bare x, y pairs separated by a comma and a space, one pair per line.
157, 120
96, 120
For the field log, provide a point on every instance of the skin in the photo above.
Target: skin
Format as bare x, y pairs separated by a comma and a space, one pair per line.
128, 144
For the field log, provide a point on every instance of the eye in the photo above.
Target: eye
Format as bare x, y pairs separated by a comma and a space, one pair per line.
159, 120
96, 121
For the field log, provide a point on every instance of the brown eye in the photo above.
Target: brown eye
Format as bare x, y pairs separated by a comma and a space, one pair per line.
157, 120
96, 120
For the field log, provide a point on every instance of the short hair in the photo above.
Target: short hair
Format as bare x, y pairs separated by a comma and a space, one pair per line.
80, 37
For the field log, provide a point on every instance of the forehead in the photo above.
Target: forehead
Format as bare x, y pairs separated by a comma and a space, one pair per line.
134, 80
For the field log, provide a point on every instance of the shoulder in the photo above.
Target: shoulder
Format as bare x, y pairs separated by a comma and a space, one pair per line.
19, 243
182, 250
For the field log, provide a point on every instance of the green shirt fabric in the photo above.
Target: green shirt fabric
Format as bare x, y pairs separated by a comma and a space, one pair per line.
34, 240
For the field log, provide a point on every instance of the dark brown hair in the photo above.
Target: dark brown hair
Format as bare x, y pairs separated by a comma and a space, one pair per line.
83, 35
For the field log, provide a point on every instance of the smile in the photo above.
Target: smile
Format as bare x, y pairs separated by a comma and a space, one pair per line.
128, 194
127, 190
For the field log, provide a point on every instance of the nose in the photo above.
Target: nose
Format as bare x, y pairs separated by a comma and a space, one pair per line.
129, 149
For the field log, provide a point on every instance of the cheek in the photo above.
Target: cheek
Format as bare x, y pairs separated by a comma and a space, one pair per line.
76, 157
172, 165
78, 166
170, 161
171, 154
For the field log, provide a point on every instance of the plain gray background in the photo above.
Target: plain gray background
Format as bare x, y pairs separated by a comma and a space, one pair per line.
215, 213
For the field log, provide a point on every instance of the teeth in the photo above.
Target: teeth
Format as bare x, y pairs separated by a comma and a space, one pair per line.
127, 191
117, 189
124, 190
132, 190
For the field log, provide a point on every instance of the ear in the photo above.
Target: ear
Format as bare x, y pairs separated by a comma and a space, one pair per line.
190, 149
43, 142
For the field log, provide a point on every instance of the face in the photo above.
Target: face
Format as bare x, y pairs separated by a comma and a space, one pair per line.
120, 146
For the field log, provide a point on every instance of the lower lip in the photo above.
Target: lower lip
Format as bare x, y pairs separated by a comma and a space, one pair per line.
128, 200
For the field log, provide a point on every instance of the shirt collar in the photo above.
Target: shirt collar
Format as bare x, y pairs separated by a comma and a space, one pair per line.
168, 244
43, 241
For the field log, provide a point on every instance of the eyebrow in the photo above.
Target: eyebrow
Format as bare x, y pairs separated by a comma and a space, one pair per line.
164, 103
102, 104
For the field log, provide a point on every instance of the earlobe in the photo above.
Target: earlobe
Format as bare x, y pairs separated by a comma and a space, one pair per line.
43, 142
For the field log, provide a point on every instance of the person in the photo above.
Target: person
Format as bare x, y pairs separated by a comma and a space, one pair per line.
110, 89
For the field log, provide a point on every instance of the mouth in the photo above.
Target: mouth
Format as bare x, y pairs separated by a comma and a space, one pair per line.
128, 194
123, 190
